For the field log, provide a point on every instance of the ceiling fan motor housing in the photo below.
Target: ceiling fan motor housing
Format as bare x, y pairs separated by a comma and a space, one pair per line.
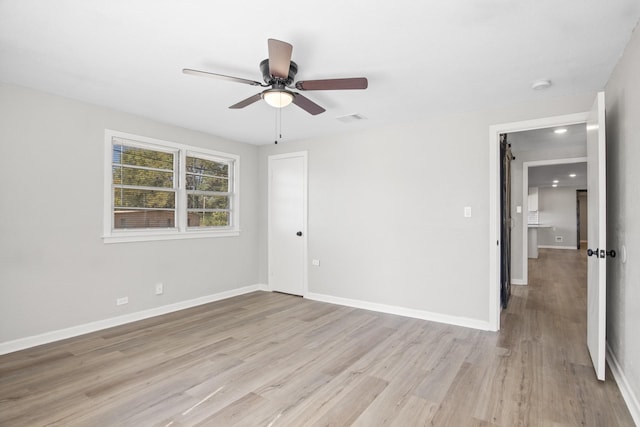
269, 79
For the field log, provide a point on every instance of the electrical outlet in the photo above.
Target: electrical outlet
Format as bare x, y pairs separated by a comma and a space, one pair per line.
315, 262
159, 288
559, 239
122, 301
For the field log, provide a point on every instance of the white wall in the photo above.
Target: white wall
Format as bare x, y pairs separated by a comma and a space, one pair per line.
55, 271
386, 210
623, 213
558, 208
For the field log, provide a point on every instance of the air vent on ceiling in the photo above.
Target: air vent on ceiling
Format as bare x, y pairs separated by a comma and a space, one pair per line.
351, 118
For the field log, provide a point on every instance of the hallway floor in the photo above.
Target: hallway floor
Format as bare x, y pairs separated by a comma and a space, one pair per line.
545, 325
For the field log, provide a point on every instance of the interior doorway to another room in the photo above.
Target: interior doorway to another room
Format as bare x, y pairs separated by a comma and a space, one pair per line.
519, 209
548, 188
549, 165
593, 123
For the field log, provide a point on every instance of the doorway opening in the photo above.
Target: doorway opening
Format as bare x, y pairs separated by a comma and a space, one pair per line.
495, 241
548, 218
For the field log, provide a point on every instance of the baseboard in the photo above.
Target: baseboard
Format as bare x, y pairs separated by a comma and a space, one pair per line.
401, 311
571, 248
519, 282
74, 331
627, 393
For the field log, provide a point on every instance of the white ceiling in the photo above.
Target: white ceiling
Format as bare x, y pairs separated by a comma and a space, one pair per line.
543, 176
547, 139
422, 59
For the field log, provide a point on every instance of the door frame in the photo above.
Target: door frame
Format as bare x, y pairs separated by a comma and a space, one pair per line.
494, 197
305, 243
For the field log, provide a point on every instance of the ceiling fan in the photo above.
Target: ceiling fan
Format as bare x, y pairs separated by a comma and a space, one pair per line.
279, 72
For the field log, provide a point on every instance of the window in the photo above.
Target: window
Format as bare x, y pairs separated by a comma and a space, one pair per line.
162, 190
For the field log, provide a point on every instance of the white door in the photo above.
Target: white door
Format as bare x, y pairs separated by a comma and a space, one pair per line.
597, 236
287, 232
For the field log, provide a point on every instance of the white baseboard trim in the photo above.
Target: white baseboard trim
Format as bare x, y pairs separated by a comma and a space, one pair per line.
519, 282
61, 334
557, 247
401, 311
627, 393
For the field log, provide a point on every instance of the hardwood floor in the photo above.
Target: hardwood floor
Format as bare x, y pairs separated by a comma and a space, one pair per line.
268, 359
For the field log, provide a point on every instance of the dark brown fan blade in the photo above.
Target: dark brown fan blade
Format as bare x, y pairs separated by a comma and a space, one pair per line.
279, 58
334, 84
247, 101
307, 105
220, 76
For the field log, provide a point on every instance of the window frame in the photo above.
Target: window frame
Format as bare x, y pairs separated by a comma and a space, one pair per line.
181, 230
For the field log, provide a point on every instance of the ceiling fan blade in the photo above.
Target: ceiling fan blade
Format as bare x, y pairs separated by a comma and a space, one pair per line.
279, 58
255, 98
307, 105
334, 84
220, 76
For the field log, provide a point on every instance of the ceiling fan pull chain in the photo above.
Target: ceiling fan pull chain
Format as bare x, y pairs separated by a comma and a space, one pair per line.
280, 132
275, 127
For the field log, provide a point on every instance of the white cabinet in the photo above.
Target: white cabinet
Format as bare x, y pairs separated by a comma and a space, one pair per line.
533, 199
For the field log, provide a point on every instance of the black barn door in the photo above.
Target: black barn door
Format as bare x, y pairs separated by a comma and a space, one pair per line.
505, 214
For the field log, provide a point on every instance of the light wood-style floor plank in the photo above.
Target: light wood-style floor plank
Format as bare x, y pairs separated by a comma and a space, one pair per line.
269, 359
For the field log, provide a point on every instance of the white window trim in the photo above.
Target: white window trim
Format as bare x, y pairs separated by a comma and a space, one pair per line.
111, 235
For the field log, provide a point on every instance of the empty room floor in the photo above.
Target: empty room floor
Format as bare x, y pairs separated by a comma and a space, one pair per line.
269, 359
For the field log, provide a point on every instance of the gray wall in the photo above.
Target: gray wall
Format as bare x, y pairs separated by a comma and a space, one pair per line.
55, 271
558, 209
386, 210
623, 211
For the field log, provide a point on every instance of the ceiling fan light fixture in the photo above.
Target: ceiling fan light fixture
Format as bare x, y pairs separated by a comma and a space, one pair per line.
277, 98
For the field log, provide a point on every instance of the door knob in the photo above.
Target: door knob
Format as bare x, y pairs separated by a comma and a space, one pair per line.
601, 253
299, 233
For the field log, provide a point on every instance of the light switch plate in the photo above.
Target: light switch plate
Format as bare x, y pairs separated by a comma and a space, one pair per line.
467, 211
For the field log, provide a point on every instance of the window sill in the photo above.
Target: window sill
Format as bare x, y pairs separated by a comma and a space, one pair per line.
155, 235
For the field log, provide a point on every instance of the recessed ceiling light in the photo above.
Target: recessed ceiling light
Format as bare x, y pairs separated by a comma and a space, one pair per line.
554, 185
572, 175
555, 181
560, 131
540, 84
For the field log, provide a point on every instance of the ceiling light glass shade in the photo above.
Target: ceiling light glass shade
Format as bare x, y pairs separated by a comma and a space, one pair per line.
277, 98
